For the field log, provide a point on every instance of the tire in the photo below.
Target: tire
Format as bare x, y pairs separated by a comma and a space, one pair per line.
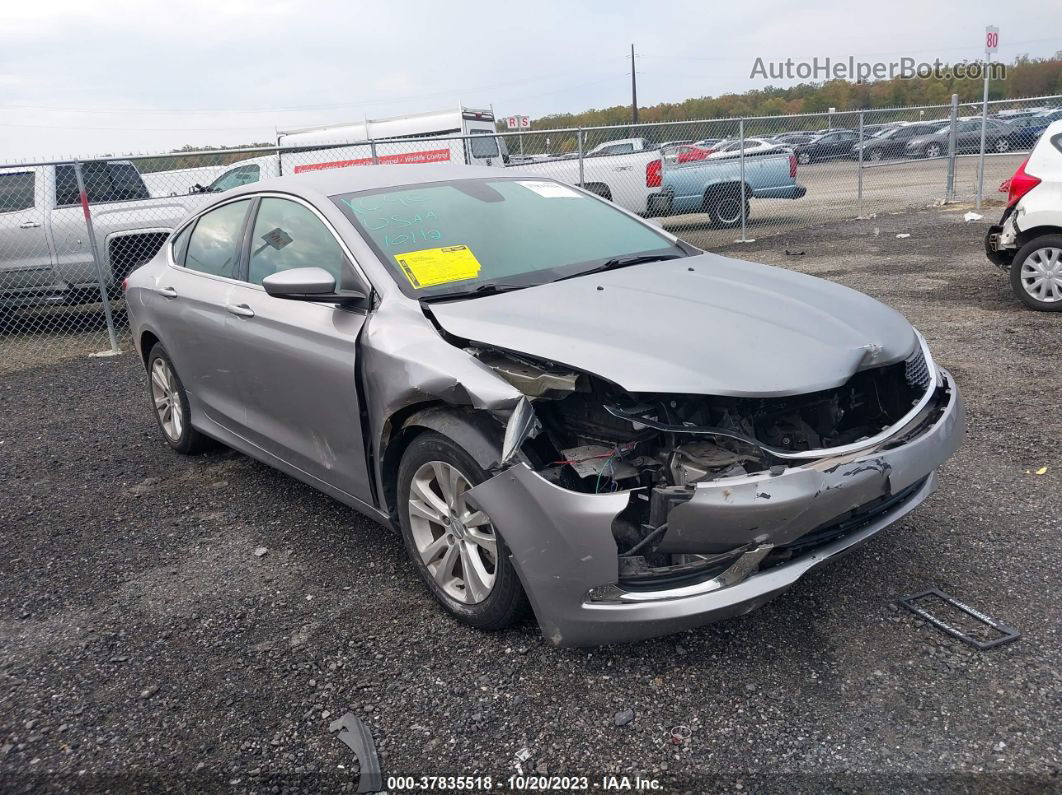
173, 416
599, 190
875, 154
1035, 257
1001, 145
804, 158
724, 208
430, 460
933, 150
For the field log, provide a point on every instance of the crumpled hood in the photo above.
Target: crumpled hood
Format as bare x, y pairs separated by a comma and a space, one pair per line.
697, 325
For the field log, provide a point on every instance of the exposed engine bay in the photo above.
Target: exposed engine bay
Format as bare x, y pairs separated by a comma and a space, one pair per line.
595, 438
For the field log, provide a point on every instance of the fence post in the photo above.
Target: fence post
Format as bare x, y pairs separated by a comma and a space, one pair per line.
949, 190
741, 193
860, 187
981, 158
104, 297
372, 150
579, 137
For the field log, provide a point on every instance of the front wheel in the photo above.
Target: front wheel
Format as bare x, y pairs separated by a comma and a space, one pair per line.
1002, 145
1036, 274
804, 158
456, 550
934, 150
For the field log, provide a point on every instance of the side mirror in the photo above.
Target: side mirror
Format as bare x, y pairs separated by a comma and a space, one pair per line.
311, 284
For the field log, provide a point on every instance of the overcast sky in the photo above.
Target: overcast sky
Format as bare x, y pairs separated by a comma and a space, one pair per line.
99, 77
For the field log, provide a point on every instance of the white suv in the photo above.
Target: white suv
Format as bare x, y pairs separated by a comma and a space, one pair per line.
1027, 241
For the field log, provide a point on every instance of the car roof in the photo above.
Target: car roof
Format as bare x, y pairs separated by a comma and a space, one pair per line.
334, 181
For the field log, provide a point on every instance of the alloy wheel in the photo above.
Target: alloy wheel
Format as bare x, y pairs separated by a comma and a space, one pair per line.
1041, 275
1002, 145
456, 543
167, 400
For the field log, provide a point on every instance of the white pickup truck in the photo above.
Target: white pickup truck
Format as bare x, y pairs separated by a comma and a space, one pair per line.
45, 254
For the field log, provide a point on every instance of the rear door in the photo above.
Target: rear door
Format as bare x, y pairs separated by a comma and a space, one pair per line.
105, 182
26, 259
295, 360
189, 302
483, 149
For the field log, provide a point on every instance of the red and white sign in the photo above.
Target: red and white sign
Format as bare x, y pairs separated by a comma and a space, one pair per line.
991, 38
405, 158
518, 122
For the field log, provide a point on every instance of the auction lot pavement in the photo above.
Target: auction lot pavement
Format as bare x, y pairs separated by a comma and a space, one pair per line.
144, 645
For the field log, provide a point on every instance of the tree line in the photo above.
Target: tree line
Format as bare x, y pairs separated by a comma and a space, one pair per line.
1026, 77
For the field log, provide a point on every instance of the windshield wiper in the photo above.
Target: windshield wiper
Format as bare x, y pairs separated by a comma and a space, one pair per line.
487, 288
623, 262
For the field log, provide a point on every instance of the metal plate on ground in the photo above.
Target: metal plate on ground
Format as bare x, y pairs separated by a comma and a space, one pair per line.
917, 605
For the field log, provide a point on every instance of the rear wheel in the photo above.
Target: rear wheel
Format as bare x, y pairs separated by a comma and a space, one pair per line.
599, 189
171, 405
1036, 274
456, 550
875, 154
1002, 145
804, 158
933, 150
724, 207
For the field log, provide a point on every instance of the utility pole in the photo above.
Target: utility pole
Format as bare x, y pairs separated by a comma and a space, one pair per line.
634, 90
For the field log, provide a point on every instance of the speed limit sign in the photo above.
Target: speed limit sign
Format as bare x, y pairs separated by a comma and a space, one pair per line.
991, 38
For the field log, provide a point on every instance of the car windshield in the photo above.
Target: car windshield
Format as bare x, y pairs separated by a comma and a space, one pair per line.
446, 238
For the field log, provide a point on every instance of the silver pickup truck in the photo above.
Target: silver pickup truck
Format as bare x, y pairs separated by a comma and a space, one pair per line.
45, 254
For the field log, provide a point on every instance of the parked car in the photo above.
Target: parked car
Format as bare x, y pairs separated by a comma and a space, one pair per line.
713, 186
629, 180
827, 147
872, 130
623, 146
727, 149
1027, 129
45, 255
684, 153
892, 142
1026, 243
967, 139
789, 139
629, 434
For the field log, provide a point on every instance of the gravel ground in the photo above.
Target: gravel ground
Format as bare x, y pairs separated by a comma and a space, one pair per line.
144, 644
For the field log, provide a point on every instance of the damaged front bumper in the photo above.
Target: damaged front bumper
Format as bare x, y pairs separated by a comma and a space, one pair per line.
564, 550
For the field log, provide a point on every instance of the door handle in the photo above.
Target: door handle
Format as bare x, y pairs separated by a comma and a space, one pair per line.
29, 225
167, 292
240, 310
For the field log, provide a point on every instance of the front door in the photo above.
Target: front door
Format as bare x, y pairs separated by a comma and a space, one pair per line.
295, 360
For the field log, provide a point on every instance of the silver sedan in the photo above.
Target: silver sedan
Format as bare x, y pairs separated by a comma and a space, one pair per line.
561, 407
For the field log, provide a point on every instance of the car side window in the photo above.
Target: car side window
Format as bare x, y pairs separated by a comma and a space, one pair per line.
16, 191
244, 175
104, 182
215, 242
180, 244
288, 235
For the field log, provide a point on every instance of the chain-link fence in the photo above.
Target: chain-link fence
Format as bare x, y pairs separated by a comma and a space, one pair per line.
71, 231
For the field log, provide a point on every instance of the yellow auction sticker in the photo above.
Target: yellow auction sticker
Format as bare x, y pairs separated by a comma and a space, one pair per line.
431, 266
